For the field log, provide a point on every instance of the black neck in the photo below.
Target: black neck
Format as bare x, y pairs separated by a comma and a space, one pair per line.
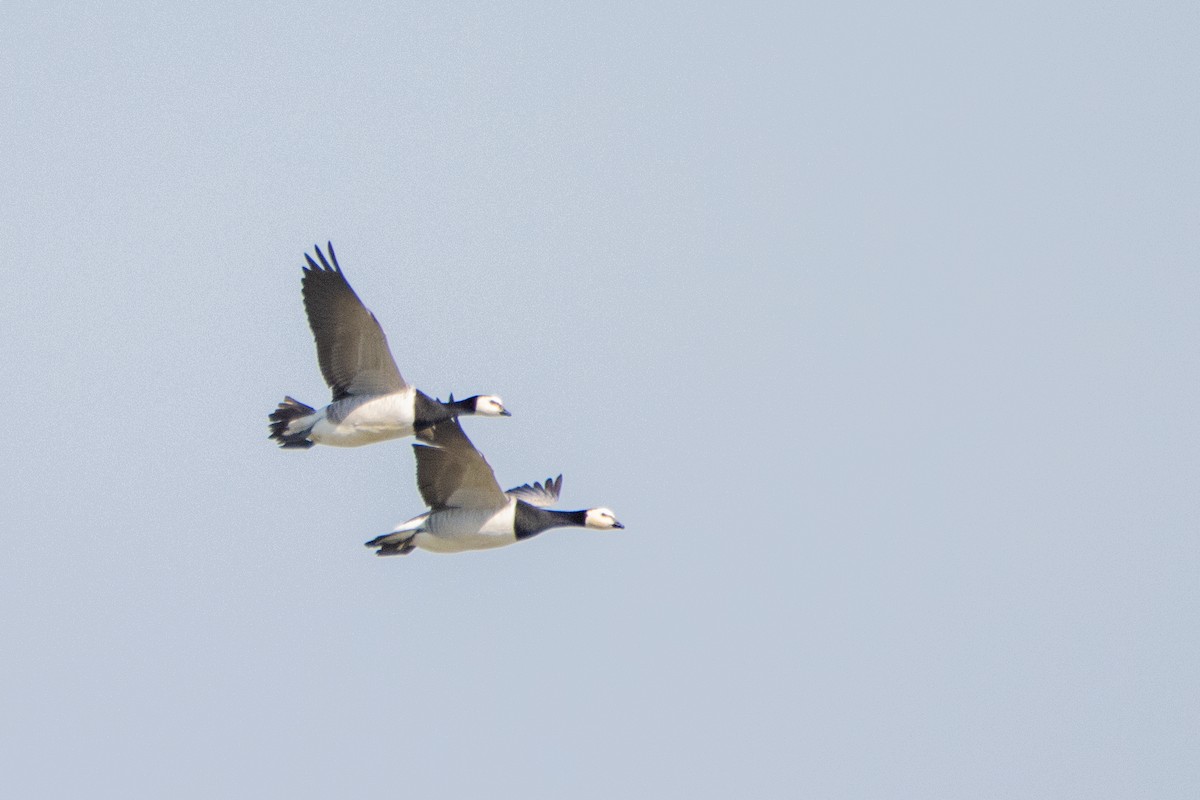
531, 520
464, 406
428, 411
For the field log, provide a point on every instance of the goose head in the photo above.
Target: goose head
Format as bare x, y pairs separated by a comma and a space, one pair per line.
489, 405
600, 519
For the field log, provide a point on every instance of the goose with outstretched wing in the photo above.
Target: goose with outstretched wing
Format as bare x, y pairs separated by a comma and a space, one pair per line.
467, 508
371, 400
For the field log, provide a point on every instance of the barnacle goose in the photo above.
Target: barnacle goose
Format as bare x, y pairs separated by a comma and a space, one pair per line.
467, 509
371, 401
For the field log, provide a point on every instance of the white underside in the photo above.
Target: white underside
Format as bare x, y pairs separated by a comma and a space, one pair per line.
379, 419
455, 530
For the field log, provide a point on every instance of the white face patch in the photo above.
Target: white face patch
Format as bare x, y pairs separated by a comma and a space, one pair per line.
489, 405
601, 519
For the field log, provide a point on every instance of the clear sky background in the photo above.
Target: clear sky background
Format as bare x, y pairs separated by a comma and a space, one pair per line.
875, 323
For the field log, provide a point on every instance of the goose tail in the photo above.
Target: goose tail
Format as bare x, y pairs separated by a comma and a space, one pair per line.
400, 541
282, 428
393, 544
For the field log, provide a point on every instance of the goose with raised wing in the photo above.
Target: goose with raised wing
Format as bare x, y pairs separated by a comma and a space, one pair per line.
371, 400
467, 508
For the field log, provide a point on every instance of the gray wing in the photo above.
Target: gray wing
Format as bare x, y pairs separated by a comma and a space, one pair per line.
537, 494
451, 473
351, 347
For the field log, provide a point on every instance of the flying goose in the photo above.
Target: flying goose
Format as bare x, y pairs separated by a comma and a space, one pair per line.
371, 401
467, 509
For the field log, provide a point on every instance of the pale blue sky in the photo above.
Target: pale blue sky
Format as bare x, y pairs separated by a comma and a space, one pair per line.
875, 324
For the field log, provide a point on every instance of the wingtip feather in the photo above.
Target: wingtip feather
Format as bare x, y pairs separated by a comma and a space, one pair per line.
321, 256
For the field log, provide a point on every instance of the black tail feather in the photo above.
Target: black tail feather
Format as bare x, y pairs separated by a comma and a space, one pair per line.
401, 547
395, 549
290, 409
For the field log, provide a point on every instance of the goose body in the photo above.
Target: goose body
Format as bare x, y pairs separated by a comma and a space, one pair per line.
454, 530
468, 511
354, 421
371, 400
